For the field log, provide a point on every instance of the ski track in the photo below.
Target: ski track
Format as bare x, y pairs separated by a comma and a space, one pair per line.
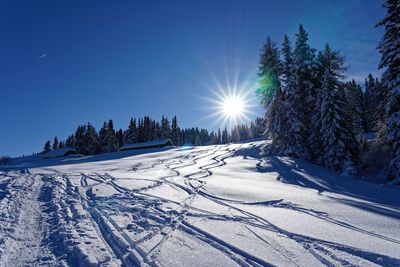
82, 228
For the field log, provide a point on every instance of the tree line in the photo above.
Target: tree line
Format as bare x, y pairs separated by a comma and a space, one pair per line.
313, 113
88, 141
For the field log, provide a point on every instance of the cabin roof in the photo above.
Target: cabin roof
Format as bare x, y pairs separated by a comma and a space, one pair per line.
159, 142
59, 152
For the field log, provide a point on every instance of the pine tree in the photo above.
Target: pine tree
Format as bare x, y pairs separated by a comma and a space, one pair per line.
70, 142
47, 147
91, 143
157, 131
55, 143
269, 71
146, 129
380, 115
304, 62
225, 136
120, 137
175, 132
219, 136
140, 131
257, 127
165, 128
293, 143
370, 99
389, 47
130, 135
107, 136
354, 99
339, 146
271, 94
79, 139
61, 144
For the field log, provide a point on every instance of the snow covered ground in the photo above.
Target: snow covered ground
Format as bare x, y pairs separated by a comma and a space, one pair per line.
205, 206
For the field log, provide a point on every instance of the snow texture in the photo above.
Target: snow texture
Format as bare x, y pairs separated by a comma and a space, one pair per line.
206, 206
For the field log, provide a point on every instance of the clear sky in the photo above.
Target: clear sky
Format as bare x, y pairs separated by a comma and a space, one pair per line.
64, 63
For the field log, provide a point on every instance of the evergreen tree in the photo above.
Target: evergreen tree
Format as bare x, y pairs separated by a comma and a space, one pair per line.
304, 63
354, 97
370, 99
61, 144
70, 142
55, 143
339, 146
130, 135
292, 135
146, 129
47, 147
79, 139
380, 115
257, 127
175, 138
165, 128
271, 94
157, 131
225, 136
90, 141
140, 132
197, 141
120, 138
389, 47
107, 136
269, 71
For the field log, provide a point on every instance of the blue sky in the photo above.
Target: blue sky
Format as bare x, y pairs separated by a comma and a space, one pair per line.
64, 63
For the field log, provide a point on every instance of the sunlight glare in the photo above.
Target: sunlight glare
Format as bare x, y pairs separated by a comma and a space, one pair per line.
232, 106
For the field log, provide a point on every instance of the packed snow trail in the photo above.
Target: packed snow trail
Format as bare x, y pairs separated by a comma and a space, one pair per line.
23, 224
207, 206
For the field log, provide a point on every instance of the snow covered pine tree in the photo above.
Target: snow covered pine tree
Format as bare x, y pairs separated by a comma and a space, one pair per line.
340, 148
389, 47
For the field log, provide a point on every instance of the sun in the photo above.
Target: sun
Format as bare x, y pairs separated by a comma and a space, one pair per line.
230, 107
232, 102
233, 106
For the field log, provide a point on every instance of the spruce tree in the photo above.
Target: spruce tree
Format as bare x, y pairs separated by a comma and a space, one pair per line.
55, 142
219, 137
91, 144
70, 142
130, 135
225, 136
165, 128
269, 71
354, 99
120, 138
175, 132
370, 99
304, 68
389, 47
79, 139
47, 147
271, 95
339, 146
61, 144
380, 115
294, 143
107, 136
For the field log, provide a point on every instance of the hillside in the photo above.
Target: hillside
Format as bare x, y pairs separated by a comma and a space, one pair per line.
201, 206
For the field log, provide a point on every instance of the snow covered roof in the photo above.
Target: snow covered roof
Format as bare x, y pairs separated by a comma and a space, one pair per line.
155, 143
60, 152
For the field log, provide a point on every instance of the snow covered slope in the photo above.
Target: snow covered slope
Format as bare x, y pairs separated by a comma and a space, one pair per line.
205, 206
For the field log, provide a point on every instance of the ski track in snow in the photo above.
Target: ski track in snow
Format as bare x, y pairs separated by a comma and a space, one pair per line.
164, 211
